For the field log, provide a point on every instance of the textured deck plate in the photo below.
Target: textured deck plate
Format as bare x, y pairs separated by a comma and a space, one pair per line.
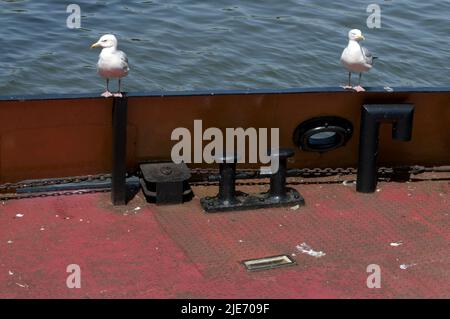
144, 251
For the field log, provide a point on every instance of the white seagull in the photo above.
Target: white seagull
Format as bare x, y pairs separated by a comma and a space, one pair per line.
112, 63
356, 58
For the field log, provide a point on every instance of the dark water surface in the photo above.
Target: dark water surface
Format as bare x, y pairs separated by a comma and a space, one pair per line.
187, 45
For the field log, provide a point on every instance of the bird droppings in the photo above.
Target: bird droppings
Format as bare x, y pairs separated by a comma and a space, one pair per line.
378, 190
406, 266
295, 207
22, 285
348, 183
306, 249
137, 208
10, 273
388, 89
19, 215
396, 244
9, 241
42, 228
241, 241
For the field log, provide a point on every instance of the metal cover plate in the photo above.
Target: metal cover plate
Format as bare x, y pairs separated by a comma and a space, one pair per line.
269, 263
165, 172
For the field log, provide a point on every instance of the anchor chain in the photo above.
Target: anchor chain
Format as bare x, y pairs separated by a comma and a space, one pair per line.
208, 177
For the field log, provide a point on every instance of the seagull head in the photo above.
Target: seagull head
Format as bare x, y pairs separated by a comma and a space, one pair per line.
106, 41
355, 35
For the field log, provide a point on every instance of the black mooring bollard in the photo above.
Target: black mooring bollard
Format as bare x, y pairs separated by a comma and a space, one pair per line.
227, 187
278, 178
401, 115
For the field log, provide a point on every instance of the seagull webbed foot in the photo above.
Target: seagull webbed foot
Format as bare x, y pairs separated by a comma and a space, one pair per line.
347, 87
359, 88
118, 94
107, 94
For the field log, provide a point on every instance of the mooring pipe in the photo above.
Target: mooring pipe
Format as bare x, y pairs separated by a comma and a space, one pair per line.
278, 178
372, 115
227, 183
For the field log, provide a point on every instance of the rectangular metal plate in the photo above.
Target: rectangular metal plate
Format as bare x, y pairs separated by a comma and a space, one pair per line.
266, 263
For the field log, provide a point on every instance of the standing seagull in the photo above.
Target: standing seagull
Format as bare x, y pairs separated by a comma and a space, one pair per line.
356, 58
112, 63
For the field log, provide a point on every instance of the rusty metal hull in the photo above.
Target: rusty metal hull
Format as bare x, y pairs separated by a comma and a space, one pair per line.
55, 136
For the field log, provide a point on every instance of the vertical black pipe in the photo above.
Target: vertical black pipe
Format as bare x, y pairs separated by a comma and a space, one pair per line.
227, 187
368, 154
401, 117
119, 150
278, 178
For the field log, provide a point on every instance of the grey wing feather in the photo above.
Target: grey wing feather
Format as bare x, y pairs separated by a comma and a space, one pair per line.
124, 59
368, 55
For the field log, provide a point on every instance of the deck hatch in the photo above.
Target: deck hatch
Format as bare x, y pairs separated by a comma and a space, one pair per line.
266, 263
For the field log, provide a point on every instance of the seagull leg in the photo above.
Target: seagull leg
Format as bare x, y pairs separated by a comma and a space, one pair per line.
107, 93
349, 86
359, 88
118, 94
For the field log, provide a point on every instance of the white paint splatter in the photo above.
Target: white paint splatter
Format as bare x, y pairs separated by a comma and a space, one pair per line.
406, 266
396, 244
305, 249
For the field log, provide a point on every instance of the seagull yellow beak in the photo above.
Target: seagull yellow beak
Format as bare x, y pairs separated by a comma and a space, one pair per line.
95, 45
361, 37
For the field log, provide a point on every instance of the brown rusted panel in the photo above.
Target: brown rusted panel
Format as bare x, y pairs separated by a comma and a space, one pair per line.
54, 138
72, 136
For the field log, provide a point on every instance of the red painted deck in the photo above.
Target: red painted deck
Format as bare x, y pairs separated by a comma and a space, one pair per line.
181, 252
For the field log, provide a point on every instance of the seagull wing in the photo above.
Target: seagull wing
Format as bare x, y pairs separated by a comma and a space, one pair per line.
368, 57
123, 60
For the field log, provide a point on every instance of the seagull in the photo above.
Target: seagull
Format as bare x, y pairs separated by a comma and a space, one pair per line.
112, 63
356, 58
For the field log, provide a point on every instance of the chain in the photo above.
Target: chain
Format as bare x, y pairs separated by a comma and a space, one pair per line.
8, 197
205, 177
55, 181
13, 187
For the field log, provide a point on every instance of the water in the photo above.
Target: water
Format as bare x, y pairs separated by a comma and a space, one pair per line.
189, 45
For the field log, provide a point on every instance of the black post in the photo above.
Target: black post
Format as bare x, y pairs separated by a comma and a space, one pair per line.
278, 179
227, 186
401, 115
119, 150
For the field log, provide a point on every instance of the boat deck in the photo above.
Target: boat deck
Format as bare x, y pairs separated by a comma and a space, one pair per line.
147, 251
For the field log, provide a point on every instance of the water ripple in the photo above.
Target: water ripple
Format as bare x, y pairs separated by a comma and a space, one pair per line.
175, 45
